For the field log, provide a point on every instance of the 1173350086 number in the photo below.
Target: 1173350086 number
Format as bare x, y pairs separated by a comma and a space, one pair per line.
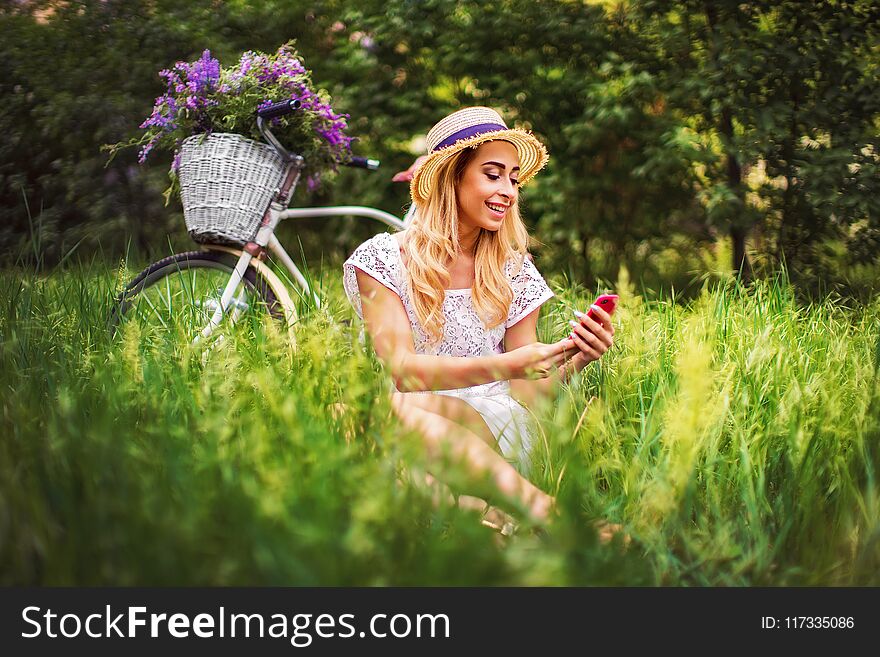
808, 622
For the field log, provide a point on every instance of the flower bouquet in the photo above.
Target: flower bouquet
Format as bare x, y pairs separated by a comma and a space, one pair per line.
206, 106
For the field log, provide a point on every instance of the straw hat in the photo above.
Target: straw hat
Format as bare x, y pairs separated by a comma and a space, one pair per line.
468, 128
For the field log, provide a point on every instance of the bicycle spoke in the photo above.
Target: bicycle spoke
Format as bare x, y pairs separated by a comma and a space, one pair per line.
174, 300
155, 311
168, 293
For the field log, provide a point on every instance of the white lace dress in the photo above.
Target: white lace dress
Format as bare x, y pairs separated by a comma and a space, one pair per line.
464, 335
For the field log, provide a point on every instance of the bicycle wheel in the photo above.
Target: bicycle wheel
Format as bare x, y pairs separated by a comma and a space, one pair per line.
173, 299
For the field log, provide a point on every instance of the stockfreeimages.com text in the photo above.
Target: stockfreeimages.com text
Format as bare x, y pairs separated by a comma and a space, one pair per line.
300, 629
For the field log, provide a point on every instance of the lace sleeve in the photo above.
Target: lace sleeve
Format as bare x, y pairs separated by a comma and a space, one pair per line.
376, 258
529, 292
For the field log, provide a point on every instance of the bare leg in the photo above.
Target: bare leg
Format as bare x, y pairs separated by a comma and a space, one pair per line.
462, 413
492, 516
457, 410
444, 438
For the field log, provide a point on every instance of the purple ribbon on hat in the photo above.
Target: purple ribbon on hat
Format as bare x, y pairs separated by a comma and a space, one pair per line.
466, 133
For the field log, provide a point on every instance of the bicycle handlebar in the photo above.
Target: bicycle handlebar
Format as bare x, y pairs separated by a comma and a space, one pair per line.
363, 163
283, 108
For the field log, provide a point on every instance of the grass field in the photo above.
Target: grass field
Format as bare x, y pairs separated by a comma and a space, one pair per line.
736, 438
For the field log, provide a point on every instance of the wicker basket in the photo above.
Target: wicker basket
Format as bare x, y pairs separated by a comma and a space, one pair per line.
226, 184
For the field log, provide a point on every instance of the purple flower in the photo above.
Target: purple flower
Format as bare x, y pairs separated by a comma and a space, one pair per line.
208, 70
146, 150
193, 89
245, 63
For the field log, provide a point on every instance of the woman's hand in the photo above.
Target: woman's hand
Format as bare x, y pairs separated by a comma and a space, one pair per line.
591, 337
538, 360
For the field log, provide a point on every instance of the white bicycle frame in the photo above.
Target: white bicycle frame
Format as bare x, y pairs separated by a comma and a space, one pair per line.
266, 238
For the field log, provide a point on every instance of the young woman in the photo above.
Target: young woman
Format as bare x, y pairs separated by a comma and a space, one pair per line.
451, 305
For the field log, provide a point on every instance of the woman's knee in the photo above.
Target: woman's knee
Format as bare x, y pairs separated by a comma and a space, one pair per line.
409, 413
408, 404
453, 409
400, 403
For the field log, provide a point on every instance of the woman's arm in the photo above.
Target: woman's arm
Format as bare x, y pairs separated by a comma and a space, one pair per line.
388, 325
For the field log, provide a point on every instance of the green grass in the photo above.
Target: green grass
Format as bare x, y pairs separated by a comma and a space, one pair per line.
736, 438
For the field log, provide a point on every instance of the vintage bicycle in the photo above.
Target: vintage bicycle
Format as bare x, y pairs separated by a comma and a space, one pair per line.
235, 192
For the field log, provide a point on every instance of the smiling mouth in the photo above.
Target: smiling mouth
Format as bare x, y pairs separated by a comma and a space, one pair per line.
497, 209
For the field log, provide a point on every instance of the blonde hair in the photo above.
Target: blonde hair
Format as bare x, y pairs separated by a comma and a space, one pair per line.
431, 244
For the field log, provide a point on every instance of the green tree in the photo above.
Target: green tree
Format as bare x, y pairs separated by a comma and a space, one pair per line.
76, 76
784, 87
667, 122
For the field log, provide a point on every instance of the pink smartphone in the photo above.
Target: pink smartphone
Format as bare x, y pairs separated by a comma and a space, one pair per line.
607, 302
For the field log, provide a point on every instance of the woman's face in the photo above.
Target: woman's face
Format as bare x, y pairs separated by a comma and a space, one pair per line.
488, 186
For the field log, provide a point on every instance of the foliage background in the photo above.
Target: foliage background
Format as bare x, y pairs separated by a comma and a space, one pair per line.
687, 138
